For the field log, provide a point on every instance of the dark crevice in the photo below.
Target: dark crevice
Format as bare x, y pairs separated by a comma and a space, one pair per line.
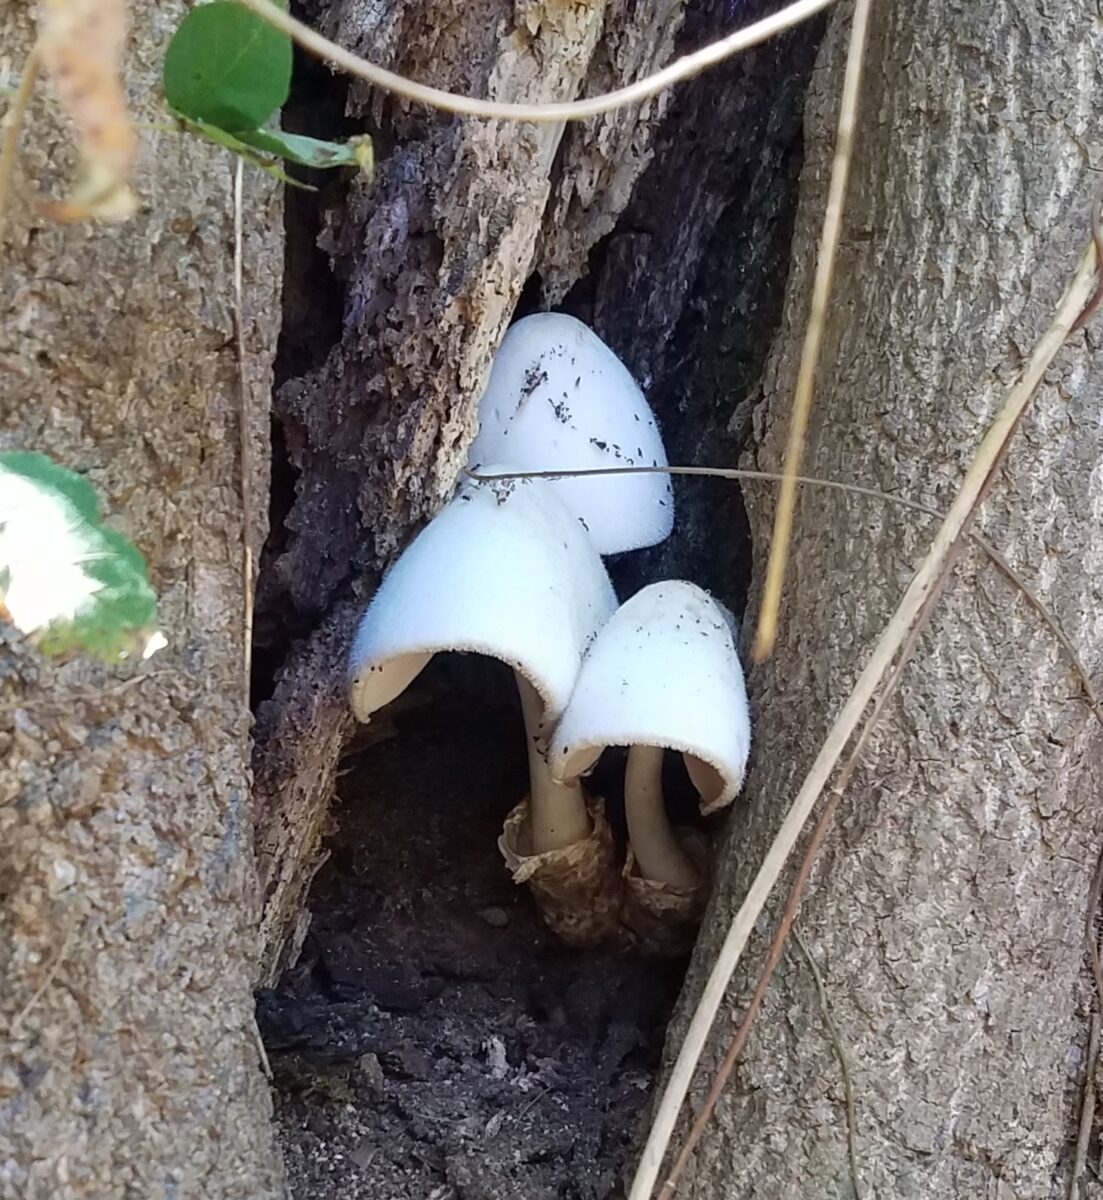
433, 1039
477, 1052
312, 300
688, 287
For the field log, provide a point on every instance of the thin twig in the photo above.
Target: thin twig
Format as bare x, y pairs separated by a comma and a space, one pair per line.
65, 700
262, 1050
11, 124
1091, 697
844, 1065
1087, 1108
576, 110
739, 1040
1089, 930
740, 473
924, 584
766, 633
525, 1109
1087, 1113
48, 978
245, 432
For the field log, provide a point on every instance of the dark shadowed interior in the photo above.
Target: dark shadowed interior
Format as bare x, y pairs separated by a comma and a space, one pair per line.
433, 1040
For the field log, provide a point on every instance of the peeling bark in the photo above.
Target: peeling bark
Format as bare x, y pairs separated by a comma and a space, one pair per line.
127, 895
946, 913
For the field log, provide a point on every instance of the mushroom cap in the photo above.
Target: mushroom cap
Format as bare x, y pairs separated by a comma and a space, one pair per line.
559, 398
503, 570
664, 671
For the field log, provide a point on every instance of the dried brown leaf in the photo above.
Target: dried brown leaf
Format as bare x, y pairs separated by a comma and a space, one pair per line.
81, 44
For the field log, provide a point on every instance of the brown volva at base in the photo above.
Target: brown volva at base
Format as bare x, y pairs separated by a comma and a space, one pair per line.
577, 889
663, 920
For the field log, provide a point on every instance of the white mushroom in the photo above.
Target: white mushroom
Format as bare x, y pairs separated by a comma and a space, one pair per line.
663, 674
559, 398
505, 571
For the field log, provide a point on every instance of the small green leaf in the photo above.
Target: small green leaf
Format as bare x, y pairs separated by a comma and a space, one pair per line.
67, 581
232, 142
228, 67
308, 151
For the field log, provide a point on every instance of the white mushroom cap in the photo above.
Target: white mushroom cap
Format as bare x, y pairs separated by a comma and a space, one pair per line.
664, 671
559, 398
503, 570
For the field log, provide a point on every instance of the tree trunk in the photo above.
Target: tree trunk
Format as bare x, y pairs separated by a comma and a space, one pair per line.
947, 912
130, 1063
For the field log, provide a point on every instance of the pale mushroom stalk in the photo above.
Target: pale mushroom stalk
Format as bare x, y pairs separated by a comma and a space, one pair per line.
658, 853
558, 813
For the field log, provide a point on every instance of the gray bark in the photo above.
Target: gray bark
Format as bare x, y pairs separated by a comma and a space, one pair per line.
128, 894
947, 910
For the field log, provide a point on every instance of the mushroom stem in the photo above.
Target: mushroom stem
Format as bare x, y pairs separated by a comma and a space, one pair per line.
559, 816
657, 851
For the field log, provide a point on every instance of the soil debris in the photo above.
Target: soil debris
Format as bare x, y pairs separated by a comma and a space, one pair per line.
434, 1040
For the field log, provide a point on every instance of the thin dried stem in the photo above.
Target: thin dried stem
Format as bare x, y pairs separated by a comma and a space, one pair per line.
1089, 929
1097, 238
575, 110
844, 1065
924, 586
789, 913
1091, 697
262, 1050
245, 443
48, 978
766, 633
739, 1040
740, 473
1087, 1113
11, 124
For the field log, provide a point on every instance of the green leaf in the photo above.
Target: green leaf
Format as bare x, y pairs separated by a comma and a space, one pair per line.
66, 581
227, 67
308, 151
232, 142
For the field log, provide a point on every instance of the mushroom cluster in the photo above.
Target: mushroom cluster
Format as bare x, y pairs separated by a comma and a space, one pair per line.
512, 569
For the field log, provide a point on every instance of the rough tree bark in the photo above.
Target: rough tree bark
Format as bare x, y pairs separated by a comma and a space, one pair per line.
129, 1064
947, 912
